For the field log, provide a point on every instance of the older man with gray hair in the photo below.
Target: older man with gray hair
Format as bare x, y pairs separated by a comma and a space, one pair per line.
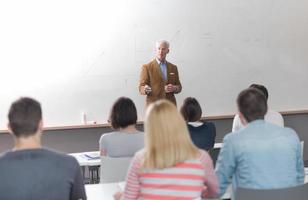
159, 79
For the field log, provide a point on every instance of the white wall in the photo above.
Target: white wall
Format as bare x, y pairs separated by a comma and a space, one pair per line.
79, 56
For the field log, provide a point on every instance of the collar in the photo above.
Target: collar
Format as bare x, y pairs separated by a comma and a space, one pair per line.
159, 62
256, 122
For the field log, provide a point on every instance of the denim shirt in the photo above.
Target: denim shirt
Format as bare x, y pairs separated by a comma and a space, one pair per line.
260, 156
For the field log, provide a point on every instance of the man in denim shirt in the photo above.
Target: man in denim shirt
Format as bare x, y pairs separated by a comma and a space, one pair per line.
261, 155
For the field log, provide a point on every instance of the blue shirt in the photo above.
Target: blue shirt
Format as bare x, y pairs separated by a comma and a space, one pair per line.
260, 156
163, 68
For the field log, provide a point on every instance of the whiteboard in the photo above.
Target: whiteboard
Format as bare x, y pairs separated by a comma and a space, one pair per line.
77, 56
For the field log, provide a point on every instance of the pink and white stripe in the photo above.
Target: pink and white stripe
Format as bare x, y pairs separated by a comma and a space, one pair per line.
186, 180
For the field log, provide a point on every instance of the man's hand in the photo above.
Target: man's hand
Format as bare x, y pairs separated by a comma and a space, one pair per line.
147, 89
170, 88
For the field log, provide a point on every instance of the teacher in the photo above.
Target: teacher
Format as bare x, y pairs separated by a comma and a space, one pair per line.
159, 79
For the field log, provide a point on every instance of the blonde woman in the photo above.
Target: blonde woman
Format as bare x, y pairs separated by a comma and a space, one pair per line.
170, 166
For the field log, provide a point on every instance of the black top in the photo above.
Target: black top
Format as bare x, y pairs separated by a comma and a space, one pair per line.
37, 174
203, 136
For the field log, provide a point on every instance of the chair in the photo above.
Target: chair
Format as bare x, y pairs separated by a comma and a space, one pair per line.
302, 145
214, 154
113, 169
293, 193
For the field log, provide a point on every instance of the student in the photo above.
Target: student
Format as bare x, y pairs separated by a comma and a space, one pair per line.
126, 140
170, 166
30, 172
271, 116
202, 133
262, 155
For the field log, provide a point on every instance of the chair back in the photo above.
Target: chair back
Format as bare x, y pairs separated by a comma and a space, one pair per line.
113, 169
293, 193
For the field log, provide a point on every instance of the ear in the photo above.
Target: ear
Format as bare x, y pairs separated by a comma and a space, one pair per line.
242, 118
167, 51
9, 129
40, 126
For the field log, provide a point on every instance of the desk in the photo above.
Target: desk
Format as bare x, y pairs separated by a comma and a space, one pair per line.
92, 163
107, 190
217, 145
85, 161
101, 191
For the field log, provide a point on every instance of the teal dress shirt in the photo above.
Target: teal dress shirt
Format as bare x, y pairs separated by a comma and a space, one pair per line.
260, 156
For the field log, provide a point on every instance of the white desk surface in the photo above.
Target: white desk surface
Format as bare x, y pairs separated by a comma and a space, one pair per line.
85, 161
101, 191
107, 190
217, 145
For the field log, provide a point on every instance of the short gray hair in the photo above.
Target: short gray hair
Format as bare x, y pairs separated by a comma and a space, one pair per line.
158, 42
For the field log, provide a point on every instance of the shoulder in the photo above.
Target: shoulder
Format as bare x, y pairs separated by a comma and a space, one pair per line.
209, 124
149, 64
172, 66
203, 154
231, 138
55, 157
290, 135
136, 137
204, 157
59, 156
64, 164
138, 158
290, 132
107, 136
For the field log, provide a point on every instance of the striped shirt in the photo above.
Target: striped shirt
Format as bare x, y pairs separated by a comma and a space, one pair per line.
188, 180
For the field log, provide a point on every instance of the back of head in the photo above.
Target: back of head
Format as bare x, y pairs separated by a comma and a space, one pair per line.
123, 113
191, 110
252, 104
261, 88
24, 116
167, 139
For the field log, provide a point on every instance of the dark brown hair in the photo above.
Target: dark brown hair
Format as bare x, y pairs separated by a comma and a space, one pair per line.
191, 110
24, 116
261, 88
252, 104
123, 113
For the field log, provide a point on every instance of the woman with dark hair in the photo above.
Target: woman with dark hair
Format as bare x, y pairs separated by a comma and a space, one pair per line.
202, 133
125, 140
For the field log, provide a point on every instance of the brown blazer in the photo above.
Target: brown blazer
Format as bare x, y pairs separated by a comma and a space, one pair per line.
151, 75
